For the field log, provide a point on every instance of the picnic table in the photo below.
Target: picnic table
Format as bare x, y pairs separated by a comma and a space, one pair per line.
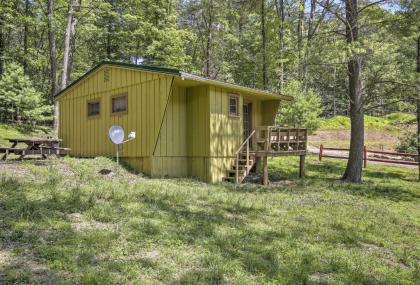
34, 146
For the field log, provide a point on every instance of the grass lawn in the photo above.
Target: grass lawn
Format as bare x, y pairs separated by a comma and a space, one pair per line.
63, 222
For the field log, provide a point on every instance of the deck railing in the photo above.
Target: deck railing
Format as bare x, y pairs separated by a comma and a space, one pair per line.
280, 139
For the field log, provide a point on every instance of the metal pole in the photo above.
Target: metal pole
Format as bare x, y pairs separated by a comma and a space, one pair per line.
118, 148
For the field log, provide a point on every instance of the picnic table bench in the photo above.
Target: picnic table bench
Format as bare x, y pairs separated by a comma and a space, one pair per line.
34, 146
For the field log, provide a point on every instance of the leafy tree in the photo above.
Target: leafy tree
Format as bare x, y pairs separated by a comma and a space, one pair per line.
19, 101
304, 111
407, 143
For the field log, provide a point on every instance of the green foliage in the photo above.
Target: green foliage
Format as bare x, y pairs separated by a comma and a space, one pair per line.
335, 123
391, 122
408, 143
226, 37
401, 118
304, 111
82, 227
19, 101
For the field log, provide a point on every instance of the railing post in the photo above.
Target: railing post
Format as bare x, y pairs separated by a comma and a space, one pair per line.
237, 169
321, 151
364, 156
267, 139
247, 156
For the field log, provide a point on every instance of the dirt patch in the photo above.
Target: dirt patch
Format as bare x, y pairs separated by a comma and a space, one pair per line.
387, 255
24, 267
13, 169
79, 224
320, 277
341, 138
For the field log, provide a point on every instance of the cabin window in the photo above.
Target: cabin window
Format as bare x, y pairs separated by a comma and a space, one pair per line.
93, 108
119, 104
234, 105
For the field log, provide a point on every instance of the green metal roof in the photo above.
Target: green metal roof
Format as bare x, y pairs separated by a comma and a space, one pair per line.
172, 71
165, 70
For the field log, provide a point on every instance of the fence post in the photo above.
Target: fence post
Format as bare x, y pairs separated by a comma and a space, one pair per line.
364, 156
321, 150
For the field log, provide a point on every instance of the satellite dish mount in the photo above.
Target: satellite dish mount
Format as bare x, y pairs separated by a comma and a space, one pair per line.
116, 134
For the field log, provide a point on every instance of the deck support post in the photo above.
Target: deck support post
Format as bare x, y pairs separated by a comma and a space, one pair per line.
302, 166
265, 170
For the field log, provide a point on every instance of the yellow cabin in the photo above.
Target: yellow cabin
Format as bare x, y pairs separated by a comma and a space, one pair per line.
186, 125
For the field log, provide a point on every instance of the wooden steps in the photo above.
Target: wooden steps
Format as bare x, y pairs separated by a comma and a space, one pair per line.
263, 142
243, 170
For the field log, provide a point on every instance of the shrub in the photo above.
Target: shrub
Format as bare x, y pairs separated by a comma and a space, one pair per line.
408, 143
304, 111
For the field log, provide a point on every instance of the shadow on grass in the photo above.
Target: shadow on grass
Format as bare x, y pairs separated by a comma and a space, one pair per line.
224, 234
386, 184
27, 235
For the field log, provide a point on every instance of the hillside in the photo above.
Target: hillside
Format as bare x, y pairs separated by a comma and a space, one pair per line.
15, 131
62, 221
391, 122
380, 132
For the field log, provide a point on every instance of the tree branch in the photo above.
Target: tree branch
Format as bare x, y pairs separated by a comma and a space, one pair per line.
385, 104
371, 4
340, 17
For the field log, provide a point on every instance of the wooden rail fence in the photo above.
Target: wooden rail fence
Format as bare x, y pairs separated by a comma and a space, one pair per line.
366, 157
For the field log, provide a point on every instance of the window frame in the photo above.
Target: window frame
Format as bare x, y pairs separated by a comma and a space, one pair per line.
93, 101
237, 99
123, 95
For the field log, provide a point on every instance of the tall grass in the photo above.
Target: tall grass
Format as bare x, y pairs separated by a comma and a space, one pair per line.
67, 223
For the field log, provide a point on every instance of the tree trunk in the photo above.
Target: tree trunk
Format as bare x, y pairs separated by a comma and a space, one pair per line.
353, 172
208, 22
108, 41
53, 61
1, 45
301, 19
281, 16
307, 48
418, 105
25, 38
418, 54
208, 52
418, 132
264, 46
71, 27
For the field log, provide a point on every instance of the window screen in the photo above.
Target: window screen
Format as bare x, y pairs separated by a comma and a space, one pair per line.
93, 108
119, 104
233, 105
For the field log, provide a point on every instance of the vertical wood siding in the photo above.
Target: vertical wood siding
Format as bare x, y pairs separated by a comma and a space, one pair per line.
88, 137
170, 156
181, 131
198, 131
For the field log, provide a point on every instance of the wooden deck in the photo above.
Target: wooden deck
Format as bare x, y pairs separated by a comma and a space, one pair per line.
264, 142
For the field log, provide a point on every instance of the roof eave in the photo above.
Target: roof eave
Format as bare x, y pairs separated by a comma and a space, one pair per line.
182, 75
185, 75
164, 70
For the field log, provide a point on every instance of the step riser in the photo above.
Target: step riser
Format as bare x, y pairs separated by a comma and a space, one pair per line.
242, 169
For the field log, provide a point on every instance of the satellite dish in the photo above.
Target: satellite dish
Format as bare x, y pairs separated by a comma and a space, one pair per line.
116, 134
